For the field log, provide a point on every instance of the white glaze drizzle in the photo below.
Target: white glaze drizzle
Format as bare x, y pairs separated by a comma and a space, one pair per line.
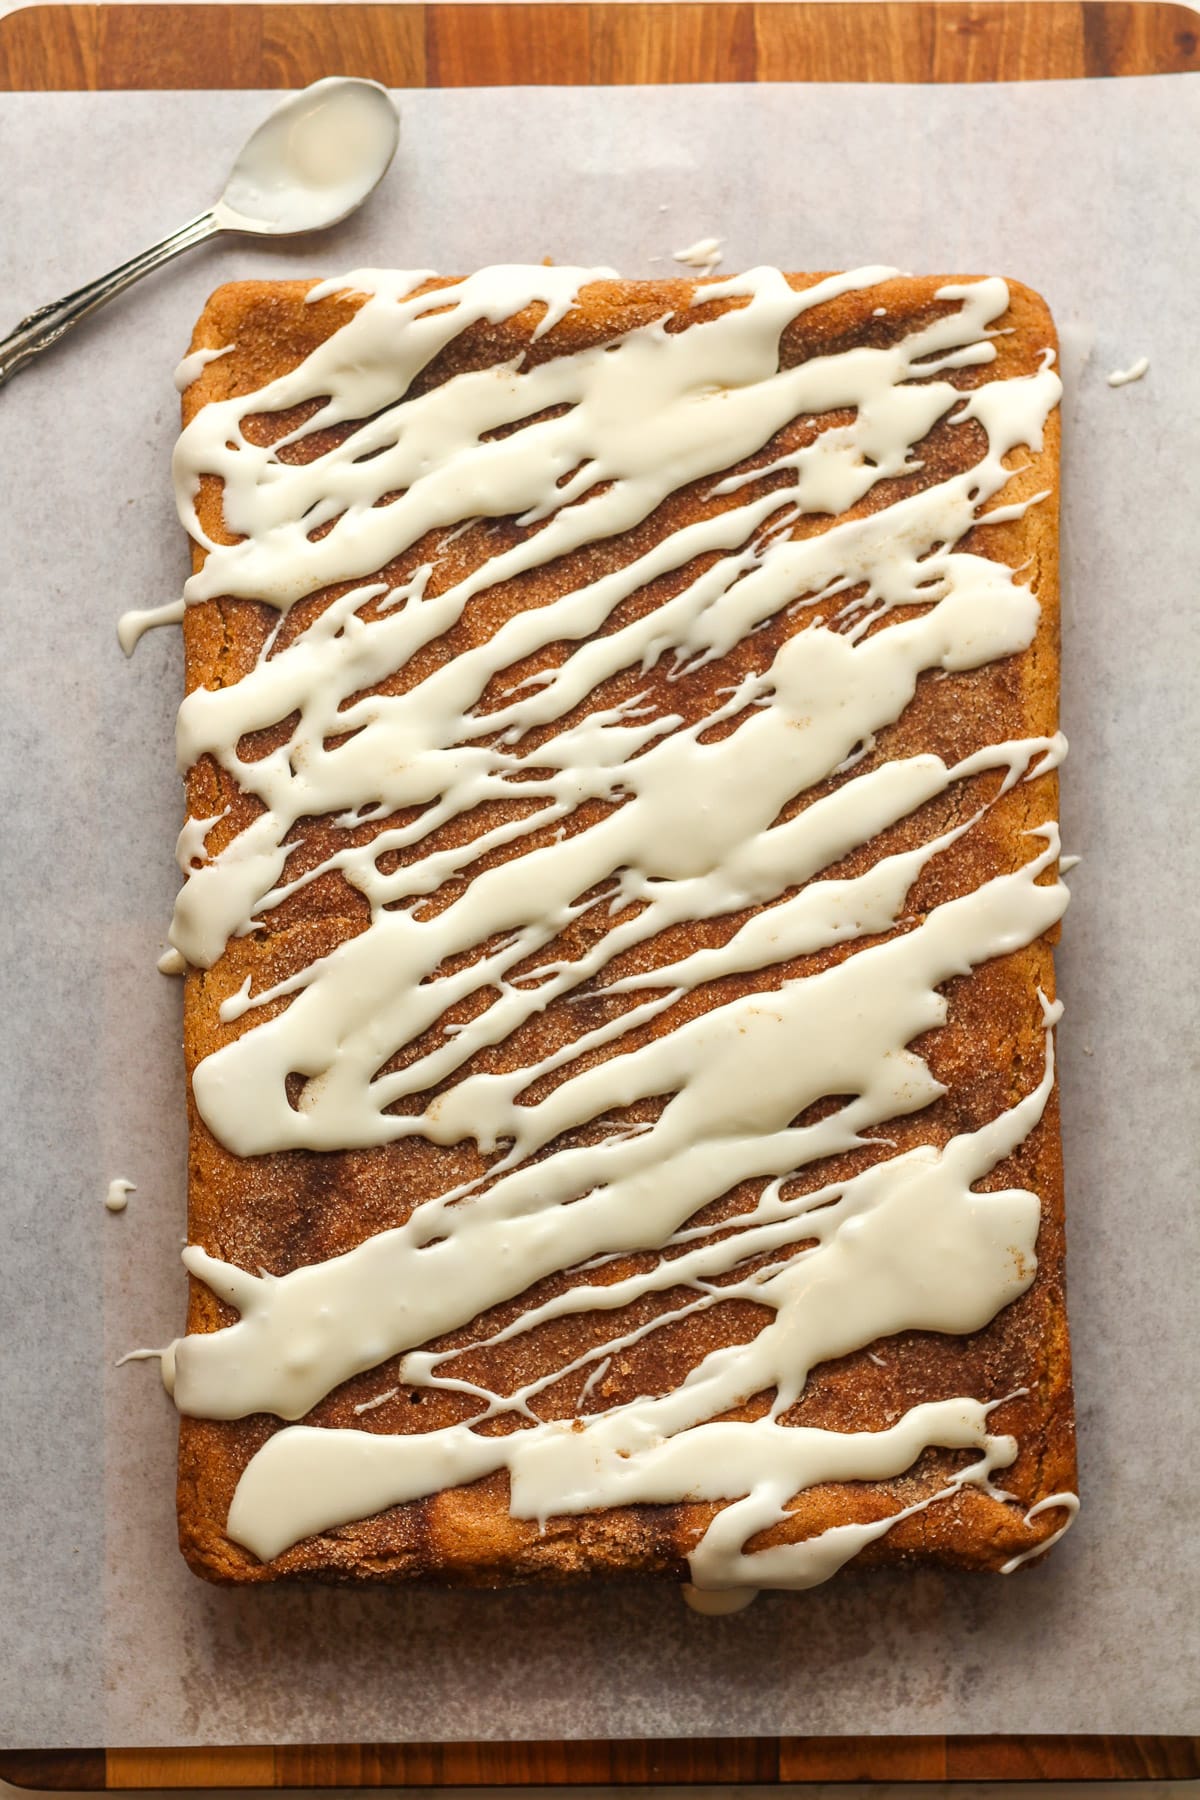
1122, 377
366, 1406
1070, 1504
195, 362
597, 1375
165, 1358
119, 1190
691, 834
704, 255
133, 625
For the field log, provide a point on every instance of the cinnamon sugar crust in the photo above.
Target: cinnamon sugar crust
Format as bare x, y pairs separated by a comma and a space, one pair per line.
283, 1210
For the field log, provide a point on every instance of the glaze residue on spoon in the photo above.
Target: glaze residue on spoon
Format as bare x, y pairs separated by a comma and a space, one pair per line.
313, 160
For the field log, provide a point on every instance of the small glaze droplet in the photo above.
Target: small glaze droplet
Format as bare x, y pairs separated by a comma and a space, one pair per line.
1122, 377
117, 1197
705, 254
715, 1603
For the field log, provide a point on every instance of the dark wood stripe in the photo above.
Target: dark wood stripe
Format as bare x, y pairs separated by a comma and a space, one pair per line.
1072, 1758
51, 1769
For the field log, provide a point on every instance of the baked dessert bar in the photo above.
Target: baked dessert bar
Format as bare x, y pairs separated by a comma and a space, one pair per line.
621, 746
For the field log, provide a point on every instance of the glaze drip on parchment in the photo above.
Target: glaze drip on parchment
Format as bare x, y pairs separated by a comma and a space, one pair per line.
697, 822
116, 1198
1135, 371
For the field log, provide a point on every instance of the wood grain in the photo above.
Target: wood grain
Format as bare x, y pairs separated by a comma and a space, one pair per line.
678, 1762
91, 47
606, 42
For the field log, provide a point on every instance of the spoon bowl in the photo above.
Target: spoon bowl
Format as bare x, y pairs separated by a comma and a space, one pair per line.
312, 161
310, 164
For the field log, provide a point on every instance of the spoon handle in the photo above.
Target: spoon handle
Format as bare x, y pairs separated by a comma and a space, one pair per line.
45, 326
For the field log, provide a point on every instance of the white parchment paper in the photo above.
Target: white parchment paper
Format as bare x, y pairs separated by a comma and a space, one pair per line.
1087, 190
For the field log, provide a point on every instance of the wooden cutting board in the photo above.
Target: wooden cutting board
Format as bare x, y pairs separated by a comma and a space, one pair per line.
91, 47
490, 45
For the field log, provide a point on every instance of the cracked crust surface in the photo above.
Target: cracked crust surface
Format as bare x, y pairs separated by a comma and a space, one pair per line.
283, 1210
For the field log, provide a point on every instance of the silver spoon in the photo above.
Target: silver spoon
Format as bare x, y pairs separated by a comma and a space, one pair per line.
310, 164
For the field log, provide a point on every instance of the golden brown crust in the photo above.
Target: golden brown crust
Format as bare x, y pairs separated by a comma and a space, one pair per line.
282, 1210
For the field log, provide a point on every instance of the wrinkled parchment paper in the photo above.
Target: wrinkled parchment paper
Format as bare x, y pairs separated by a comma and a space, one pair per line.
1086, 190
